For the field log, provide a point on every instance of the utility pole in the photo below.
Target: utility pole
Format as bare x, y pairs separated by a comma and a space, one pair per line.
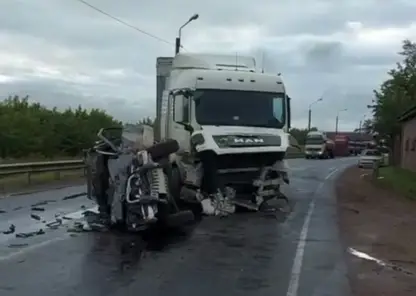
310, 112
178, 39
337, 120
336, 125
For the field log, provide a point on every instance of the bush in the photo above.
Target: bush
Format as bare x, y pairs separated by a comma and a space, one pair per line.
28, 129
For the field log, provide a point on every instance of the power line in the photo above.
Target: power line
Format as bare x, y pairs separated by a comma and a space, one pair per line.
125, 23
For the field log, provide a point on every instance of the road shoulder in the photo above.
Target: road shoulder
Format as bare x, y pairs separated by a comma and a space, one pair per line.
378, 224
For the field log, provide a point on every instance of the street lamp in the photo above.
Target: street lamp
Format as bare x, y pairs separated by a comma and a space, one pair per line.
310, 112
178, 39
337, 119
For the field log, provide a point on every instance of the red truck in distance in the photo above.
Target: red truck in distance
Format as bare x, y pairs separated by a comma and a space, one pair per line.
341, 145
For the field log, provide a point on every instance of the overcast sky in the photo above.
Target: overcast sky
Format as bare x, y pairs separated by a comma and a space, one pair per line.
63, 53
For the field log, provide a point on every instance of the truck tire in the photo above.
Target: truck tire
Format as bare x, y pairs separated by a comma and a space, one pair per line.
163, 149
175, 183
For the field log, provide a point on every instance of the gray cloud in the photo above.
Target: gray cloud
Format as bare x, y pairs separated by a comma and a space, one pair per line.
63, 53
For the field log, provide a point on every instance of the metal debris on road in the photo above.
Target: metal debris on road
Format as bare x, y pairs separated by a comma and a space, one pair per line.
38, 209
36, 217
17, 208
2, 211
55, 224
30, 234
72, 196
42, 203
11, 229
381, 263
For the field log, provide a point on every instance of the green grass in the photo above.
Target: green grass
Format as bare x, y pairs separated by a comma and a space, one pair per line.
400, 180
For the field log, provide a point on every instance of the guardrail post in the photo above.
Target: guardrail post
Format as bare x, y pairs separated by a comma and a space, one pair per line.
29, 179
57, 175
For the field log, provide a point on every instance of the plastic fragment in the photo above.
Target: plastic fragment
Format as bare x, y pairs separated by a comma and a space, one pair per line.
30, 234
38, 209
11, 229
36, 217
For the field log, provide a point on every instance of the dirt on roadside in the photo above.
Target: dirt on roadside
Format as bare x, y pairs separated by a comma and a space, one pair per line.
380, 224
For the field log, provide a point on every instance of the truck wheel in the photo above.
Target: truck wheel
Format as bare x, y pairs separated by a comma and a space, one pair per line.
175, 183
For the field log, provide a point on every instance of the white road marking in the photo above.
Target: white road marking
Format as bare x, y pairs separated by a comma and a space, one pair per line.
297, 263
331, 174
300, 250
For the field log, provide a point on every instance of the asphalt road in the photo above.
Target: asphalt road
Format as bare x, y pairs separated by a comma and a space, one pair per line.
245, 254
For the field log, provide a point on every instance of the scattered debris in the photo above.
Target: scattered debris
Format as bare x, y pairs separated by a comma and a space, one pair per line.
39, 209
89, 213
54, 224
78, 227
2, 211
379, 262
66, 218
42, 203
11, 229
36, 217
72, 196
83, 207
30, 234
86, 227
17, 208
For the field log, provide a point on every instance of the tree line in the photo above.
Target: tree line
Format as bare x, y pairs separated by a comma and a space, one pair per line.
394, 96
30, 130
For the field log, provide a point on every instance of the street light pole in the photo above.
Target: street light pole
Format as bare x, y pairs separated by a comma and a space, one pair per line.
178, 39
310, 112
337, 119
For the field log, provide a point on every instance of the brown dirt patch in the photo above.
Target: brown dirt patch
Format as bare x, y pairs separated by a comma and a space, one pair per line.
381, 224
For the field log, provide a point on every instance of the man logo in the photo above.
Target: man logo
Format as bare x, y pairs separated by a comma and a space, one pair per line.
248, 140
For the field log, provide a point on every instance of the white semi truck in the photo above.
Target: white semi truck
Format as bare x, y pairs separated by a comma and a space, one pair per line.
231, 124
318, 145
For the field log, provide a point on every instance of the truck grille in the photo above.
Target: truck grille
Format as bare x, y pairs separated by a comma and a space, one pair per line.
248, 160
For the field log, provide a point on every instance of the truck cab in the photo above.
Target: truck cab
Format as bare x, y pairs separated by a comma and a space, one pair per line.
220, 106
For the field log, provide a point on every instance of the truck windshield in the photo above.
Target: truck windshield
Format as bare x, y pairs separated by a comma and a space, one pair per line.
243, 108
314, 140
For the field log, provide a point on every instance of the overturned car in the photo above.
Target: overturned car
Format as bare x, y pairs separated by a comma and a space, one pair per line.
128, 177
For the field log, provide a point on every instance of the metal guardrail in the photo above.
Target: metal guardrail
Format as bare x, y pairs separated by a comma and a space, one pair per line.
31, 168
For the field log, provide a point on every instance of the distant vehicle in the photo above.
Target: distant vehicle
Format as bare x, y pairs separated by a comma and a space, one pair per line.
341, 145
318, 145
368, 157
